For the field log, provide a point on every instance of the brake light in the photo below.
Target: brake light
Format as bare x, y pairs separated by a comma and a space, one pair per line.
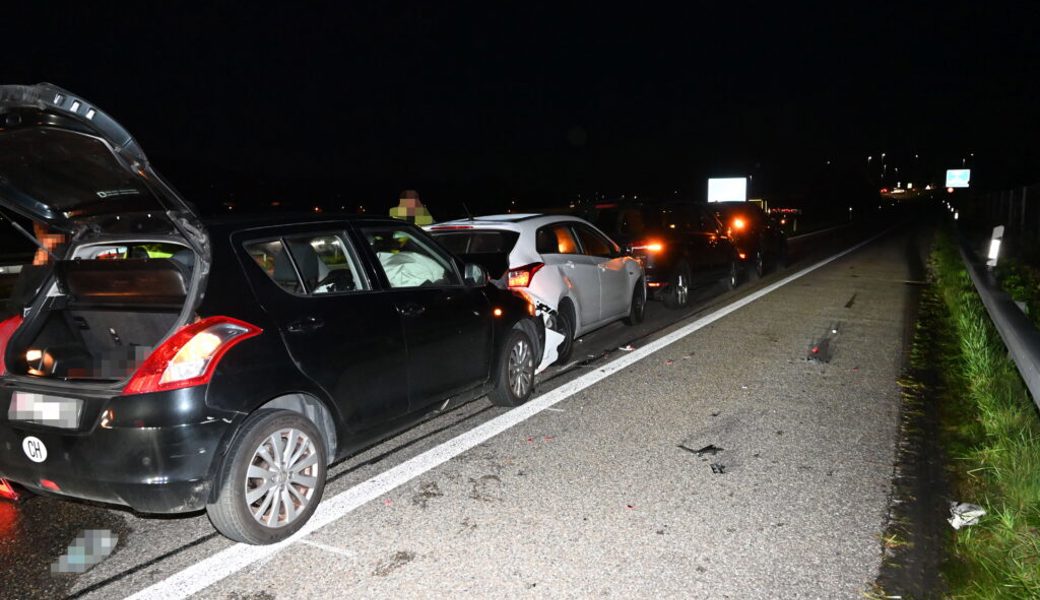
522, 276
739, 224
7, 329
7, 491
190, 356
651, 246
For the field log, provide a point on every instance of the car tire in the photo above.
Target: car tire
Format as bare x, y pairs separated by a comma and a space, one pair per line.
566, 323
761, 268
514, 371
733, 276
637, 308
678, 294
295, 479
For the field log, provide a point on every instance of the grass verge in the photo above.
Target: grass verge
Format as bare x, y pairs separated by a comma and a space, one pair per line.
991, 436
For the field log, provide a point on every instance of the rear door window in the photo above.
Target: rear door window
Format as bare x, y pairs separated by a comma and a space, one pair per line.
556, 239
311, 264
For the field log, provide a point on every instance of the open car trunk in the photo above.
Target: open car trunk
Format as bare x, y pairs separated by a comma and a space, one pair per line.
101, 318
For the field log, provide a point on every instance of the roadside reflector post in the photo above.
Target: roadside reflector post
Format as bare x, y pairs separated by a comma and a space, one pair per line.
994, 246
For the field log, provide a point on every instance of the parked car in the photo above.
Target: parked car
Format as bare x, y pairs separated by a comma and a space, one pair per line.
564, 263
760, 240
172, 364
680, 245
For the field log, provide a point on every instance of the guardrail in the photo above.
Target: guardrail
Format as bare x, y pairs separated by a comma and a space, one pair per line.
1020, 336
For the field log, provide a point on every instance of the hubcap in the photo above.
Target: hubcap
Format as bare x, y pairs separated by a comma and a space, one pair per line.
521, 368
282, 477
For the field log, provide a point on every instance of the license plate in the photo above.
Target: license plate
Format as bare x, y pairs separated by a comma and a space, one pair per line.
43, 409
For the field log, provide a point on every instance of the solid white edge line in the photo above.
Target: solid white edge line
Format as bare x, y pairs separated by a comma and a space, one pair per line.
229, 561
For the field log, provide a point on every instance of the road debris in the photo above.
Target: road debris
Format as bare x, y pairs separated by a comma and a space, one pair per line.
626, 348
710, 449
964, 514
718, 469
88, 549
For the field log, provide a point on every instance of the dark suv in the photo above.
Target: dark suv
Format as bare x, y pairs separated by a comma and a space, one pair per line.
680, 245
171, 364
759, 240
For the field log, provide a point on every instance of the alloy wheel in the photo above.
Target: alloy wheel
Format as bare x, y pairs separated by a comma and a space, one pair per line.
682, 290
520, 368
282, 477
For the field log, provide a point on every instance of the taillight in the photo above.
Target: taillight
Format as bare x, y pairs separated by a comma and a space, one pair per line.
739, 224
651, 246
7, 329
522, 276
8, 491
189, 356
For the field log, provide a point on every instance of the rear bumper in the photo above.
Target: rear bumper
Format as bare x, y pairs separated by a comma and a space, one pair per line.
164, 470
162, 466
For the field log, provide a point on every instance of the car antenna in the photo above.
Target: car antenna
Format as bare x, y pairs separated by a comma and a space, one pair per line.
465, 208
28, 236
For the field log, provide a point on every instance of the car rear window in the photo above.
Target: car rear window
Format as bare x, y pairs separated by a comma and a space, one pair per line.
484, 241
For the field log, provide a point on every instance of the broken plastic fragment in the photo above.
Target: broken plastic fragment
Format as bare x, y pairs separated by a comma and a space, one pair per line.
964, 514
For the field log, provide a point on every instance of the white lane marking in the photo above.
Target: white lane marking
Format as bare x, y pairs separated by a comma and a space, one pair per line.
233, 559
803, 236
332, 549
555, 409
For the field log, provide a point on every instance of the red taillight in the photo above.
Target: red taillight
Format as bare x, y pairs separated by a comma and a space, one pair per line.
7, 328
7, 491
189, 356
522, 276
651, 246
739, 224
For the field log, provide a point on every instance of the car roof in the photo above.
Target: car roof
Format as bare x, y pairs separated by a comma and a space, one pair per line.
512, 222
229, 223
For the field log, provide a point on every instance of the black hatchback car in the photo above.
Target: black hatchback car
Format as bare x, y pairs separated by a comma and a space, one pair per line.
680, 245
170, 364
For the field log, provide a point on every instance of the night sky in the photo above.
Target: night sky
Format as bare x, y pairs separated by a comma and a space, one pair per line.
489, 103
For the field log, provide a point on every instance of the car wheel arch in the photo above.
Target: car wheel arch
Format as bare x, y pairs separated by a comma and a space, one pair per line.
575, 311
298, 402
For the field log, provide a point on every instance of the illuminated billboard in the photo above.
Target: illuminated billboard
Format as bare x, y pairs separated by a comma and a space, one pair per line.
958, 178
727, 189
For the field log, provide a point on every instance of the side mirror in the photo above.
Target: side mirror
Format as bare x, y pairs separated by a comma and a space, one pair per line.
475, 275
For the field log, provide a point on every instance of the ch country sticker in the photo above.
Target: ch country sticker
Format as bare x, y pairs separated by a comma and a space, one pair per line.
34, 449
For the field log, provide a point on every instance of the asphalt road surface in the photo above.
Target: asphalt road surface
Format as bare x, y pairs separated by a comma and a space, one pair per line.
601, 485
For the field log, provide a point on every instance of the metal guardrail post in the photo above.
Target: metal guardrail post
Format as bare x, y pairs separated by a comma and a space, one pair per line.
1020, 336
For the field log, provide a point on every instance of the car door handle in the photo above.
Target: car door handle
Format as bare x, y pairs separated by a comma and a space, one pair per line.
411, 309
306, 324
